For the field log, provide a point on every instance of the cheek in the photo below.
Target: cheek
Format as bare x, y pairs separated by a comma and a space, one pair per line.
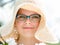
19, 27
36, 25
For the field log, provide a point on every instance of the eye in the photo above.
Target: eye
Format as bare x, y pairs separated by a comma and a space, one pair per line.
35, 17
21, 16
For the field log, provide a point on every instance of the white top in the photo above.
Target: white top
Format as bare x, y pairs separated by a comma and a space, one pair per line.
40, 44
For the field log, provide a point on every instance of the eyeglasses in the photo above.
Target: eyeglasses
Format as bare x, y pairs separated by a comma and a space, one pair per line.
23, 18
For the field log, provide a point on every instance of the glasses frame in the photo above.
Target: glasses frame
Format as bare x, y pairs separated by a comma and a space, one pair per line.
28, 16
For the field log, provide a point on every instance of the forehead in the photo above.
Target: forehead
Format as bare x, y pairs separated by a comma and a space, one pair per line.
26, 12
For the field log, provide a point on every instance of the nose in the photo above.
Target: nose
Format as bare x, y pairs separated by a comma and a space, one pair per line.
28, 21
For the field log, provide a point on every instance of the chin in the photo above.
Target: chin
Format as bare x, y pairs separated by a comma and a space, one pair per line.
28, 35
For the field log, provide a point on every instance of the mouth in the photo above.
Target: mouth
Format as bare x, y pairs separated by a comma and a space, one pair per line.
27, 27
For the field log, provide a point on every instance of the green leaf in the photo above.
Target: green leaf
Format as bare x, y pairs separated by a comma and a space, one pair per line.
5, 43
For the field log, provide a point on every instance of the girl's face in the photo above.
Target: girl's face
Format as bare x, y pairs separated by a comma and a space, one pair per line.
27, 22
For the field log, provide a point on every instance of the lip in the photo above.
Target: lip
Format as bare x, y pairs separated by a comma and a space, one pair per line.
27, 27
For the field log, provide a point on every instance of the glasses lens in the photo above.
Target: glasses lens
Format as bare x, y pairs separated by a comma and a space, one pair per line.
21, 17
35, 17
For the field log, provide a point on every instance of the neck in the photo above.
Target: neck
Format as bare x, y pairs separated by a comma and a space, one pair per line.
28, 40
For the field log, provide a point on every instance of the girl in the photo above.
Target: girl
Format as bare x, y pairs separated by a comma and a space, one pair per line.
30, 25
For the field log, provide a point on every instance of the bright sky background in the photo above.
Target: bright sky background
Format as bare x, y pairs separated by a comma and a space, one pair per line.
52, 12
51, 8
